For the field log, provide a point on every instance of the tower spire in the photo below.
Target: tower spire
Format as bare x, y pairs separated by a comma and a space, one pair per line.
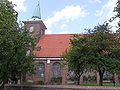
37, 11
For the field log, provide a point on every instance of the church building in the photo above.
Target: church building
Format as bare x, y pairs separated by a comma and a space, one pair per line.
49, 48
48, 52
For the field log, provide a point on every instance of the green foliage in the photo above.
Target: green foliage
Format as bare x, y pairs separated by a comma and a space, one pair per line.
14, 43
116, 50
40, 82
117, 8
100, 45
8, 16
98, 50
76, 56
103, 44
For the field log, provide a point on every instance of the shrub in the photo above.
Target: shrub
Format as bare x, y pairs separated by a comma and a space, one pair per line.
56, 80
29, 82
41, 82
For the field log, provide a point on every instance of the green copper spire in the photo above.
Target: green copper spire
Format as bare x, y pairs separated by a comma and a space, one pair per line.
37, 12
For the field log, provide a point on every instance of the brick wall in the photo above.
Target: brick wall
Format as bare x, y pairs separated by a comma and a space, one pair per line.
48, 72
57, 87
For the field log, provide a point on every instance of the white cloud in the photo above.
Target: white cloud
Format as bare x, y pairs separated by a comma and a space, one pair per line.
20, 5
67, 14
95, 1
106, 12
63, 26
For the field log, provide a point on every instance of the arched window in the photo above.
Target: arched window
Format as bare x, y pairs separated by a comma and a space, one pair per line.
56, 69
40, 69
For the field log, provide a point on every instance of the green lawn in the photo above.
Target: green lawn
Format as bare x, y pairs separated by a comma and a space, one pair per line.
105, 84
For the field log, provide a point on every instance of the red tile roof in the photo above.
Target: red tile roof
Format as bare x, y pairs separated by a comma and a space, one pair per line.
52, 45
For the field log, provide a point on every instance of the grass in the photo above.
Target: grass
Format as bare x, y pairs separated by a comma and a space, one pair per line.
105, 84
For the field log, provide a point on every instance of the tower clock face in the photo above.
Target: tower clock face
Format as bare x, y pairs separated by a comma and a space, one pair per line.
31, 29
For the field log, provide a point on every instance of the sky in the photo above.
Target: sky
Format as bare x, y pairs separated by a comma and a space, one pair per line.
68, 16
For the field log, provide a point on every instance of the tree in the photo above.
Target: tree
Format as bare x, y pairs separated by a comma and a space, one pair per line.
75, 57
97, 50
101, 44
14, 43
116, 50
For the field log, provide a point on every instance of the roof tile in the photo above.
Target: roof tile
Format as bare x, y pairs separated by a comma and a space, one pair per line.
52, 45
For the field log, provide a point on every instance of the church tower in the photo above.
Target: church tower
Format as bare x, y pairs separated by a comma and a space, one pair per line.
35, 25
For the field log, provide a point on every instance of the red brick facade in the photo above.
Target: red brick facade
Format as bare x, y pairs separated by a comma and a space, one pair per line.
49, 72
38, 27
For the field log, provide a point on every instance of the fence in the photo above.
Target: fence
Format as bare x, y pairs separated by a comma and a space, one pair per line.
57, 87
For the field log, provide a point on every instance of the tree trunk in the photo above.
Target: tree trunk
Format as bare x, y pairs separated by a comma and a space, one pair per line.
101, 78
2, 86
113, 79
78, 80
16, 80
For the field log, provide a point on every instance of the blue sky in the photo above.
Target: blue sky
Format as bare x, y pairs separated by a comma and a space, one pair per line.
67, 16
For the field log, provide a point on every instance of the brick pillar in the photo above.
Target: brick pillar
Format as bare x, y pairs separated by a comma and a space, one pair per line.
64, 74
116, 78
47, 73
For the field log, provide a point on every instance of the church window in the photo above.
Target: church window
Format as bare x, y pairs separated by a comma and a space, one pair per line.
40, 69
56, 69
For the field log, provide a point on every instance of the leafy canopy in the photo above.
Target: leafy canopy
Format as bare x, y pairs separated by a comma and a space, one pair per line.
14, 43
